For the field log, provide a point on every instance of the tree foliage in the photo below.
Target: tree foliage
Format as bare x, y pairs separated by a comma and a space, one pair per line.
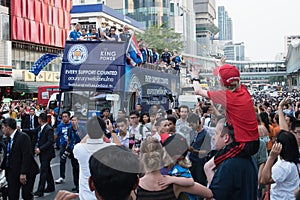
161, 37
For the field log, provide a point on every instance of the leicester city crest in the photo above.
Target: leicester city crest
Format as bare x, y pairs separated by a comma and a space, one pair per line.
77, 54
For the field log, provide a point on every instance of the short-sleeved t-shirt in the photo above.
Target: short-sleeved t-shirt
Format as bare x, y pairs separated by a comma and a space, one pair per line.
286, 178
240, 112
62, 132
74, 35
180, 171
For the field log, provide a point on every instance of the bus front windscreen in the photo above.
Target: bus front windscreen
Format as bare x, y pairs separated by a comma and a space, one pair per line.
85, 104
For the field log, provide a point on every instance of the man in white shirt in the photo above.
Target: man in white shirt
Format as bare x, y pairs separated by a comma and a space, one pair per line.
123, 133
135, 129
82, 152
182, 121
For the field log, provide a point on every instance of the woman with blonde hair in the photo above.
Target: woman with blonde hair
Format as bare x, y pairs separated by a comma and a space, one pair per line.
154, 185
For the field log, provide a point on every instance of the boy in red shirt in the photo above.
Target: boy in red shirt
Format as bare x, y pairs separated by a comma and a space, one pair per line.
240, 116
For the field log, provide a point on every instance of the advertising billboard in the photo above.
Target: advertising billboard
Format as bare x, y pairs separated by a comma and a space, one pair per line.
92, 65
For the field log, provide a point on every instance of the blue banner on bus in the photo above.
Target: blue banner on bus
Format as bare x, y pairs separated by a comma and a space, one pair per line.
92, 65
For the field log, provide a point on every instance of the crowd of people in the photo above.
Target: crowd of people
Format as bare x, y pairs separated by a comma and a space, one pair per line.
166, 61
231, 145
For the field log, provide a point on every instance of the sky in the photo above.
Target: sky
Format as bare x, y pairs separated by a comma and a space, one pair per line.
262, 25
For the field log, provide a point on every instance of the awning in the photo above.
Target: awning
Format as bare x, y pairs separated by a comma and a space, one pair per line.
30, 87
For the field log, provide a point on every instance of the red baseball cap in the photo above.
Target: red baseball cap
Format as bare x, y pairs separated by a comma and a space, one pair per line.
228, 74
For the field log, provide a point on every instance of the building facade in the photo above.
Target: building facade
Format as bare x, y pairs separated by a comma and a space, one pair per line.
45, 26
293, 65
235, 52
224, 24
288, 40
148, 13
93, 15
5, 51
182, 19
205, 11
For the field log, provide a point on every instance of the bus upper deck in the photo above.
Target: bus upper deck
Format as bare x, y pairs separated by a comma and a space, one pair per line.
96, 75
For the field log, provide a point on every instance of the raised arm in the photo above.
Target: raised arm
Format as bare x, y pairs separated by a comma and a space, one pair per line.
221, 61
114, 136
198, 90
296, 106
282, 122
266, 176
215, 110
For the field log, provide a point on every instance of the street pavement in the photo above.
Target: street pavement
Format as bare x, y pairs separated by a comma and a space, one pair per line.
67, 185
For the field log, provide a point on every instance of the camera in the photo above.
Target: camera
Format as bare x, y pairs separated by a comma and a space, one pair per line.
66, 153
207, 103
195, 79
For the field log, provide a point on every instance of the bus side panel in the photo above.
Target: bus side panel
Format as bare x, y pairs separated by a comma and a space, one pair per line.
151, 86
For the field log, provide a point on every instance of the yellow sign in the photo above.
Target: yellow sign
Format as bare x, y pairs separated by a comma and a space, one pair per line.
41, 77
56, 76
27, 76
49, 76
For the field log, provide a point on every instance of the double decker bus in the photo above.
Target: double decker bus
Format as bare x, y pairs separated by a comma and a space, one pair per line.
97, 75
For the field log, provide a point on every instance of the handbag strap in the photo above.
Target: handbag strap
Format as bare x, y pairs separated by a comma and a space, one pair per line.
297, 170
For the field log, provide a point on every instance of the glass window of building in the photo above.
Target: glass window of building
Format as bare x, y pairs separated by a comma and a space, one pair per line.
5, 23
165, 3
5, 3
22, 59
172, 9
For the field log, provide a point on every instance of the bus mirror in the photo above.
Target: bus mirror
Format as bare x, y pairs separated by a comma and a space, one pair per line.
112, 97
52, 104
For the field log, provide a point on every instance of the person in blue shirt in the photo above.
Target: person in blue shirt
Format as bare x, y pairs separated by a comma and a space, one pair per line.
93, 35
62, 135
75, 134
235, 178
143, 52
155, 55
75, 34
199, 141
176, 59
